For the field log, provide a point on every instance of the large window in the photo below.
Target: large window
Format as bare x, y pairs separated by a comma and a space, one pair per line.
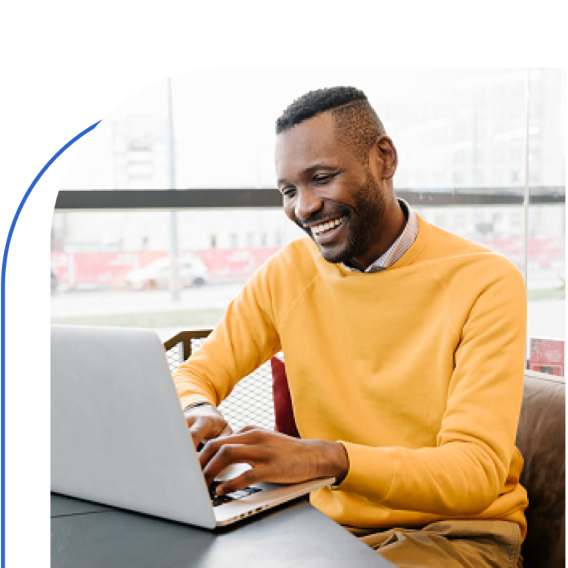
481, 153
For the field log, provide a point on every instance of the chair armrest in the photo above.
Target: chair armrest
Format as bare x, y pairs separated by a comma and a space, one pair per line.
185, 337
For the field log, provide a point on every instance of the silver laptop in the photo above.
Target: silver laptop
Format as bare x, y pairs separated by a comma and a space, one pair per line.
118, 435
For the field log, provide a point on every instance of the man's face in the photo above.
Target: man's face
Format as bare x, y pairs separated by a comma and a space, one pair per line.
329, 193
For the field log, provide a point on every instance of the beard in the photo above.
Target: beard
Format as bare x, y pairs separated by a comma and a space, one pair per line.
360, 225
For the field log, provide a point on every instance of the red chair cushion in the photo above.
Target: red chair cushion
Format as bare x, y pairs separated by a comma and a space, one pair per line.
283, 411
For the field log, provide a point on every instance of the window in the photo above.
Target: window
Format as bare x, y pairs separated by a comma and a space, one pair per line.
465, 142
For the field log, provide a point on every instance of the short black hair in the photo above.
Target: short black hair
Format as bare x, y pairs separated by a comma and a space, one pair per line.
357, 123
316, 102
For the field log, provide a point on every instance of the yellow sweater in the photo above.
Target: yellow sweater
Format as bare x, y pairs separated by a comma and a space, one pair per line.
418, 370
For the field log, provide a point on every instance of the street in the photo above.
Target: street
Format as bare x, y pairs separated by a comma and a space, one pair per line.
100, 302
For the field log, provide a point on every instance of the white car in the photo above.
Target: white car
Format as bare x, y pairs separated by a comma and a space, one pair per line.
192, 272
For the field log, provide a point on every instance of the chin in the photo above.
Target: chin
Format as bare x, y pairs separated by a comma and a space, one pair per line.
333, 255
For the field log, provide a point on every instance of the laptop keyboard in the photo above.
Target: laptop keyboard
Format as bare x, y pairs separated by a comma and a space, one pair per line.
217, 500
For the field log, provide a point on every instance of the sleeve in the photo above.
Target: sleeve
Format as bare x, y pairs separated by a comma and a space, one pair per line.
245, 338
470, 465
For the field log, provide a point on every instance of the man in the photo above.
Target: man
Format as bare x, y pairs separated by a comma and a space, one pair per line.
404, 349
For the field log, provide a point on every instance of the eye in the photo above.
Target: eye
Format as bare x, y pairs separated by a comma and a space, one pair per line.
322, 179
288, 192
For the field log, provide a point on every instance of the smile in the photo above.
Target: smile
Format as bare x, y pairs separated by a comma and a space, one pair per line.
318, 229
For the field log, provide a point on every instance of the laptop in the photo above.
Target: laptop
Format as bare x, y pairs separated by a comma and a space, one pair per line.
118, 435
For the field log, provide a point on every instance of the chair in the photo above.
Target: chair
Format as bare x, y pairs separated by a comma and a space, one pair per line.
540, 438
250, 402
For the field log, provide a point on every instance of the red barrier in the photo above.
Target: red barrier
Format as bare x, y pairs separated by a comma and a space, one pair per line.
82, 270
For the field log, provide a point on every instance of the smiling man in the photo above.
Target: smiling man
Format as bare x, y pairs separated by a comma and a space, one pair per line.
337, 182
404, 349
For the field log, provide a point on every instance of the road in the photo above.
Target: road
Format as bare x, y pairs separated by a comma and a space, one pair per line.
100, 302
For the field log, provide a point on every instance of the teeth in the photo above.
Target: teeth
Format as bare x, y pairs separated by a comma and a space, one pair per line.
326, 226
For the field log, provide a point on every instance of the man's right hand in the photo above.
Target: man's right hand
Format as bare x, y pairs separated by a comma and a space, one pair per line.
205, 422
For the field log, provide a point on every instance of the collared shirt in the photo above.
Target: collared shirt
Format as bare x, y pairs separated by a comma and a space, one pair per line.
400, 246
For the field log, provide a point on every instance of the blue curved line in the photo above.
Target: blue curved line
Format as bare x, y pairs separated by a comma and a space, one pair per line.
3, 333
31, 188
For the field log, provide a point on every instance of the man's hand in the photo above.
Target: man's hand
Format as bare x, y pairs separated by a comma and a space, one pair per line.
273, 457
205, 422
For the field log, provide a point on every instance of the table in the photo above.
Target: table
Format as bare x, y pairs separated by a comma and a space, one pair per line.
85, 535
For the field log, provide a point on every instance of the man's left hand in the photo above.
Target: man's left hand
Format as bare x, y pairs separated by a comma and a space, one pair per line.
273, 457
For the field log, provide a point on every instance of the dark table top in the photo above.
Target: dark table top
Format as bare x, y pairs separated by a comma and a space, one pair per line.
85, 535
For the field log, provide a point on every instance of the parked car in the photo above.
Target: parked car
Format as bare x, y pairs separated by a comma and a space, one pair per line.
192, 272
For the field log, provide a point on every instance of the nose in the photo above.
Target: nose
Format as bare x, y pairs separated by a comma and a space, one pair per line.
307, 203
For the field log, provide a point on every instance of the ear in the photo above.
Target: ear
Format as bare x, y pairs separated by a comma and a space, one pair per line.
387, 155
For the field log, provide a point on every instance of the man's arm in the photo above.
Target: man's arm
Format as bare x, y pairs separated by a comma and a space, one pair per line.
243, 340
273, 457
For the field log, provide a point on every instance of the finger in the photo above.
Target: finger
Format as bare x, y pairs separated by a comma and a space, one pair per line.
243, 480
198, 434
201, 432
203, 429
228, 454
227, 431
213, 445
248, 428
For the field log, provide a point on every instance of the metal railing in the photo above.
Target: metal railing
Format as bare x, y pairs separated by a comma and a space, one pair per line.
258, 198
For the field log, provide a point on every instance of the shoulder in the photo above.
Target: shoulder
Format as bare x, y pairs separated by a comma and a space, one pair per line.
281, 280
468, 265
297, 256
291, 267
443, 244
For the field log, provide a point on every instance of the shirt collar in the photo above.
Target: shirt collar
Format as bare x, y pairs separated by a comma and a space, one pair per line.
400, 246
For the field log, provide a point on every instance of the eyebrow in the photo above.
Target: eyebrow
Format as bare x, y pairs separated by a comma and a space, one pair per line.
309, 171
